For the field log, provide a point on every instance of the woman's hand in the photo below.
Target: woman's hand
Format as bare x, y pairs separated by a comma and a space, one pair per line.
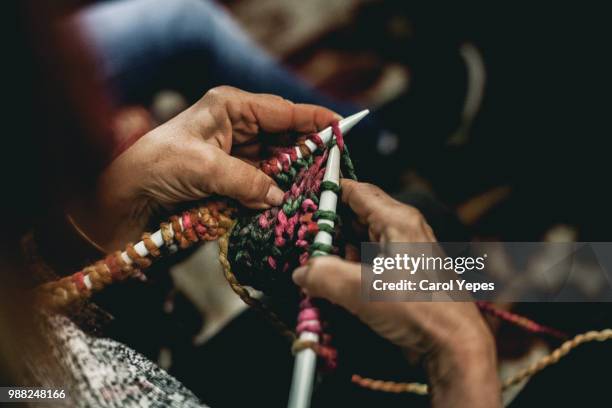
188, 158
386, 219
457, 346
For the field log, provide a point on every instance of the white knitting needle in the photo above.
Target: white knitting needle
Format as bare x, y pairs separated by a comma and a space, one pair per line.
306, 360
326, 134
345, 125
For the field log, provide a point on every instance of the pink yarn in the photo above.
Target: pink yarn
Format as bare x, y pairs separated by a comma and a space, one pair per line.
186, 221
291, 223
281, 225
264, 223
308, 314
308, 321
308, 318
284, 227
311, 326
520, 321
272, 262
285, 161
302, 231
308, 180
295, 190
281, 218
304, 258
316, 139
338, 134
309, 205
200, 229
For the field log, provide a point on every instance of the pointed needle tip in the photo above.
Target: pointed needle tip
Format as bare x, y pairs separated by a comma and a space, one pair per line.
347, 123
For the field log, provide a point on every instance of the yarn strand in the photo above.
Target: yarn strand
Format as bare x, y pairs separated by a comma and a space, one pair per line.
524, 374
205, 223
520, 321
271, 243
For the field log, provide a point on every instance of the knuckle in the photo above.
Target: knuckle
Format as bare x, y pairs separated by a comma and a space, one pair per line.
372, 189
334, 279
355, 190
275, 98
219, 93
365, 187
413, 217
315, 278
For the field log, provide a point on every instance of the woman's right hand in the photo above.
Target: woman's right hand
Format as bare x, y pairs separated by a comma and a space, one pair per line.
452, 338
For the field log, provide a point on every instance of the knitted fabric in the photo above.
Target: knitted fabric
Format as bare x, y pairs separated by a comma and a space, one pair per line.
265, 248
261, 249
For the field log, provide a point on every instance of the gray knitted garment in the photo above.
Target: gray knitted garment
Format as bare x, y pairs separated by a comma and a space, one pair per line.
100, 372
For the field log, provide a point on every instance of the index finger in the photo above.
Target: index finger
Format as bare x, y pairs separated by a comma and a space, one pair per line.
363, 198
274, 114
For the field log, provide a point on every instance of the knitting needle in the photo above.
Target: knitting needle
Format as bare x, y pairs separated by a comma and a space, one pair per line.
345, 125
306, 359
326, 134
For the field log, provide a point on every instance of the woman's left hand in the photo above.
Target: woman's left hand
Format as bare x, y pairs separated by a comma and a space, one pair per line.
210, 148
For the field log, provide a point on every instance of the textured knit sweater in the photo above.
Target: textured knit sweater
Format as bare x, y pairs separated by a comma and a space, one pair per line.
100, 372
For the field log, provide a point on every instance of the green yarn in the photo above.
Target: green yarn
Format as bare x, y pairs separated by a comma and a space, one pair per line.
292, 205
282, 179
326, 228
301, 163
314, 198
255, 258
325, 215
349, 169
330, 186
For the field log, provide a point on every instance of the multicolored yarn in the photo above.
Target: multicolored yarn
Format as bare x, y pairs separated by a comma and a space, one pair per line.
244, 294
205, 223
264, 248
531, 370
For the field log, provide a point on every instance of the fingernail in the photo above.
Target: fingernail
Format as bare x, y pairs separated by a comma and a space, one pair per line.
274, 196
338, 117
299, 275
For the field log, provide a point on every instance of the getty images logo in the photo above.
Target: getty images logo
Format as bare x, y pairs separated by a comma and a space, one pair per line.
412, 264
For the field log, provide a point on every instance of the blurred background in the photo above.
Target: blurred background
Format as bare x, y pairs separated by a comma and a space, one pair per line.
474, 93
475, 103
485, 116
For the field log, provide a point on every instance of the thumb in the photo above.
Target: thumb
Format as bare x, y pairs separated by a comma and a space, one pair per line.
331, 278
234, 178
